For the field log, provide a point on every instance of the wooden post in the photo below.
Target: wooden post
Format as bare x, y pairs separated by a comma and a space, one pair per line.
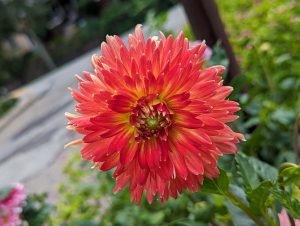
206, 24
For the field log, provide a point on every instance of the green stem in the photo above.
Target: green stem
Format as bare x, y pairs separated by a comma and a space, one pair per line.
269, 219
235, 201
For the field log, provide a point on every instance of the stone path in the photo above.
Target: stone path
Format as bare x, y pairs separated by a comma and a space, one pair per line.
33, 134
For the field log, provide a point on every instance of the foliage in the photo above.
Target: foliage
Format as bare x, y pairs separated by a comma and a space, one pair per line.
6, 105
263, 36
251, 188
94, 203
249, 191
37, 211
19, 17
117, 17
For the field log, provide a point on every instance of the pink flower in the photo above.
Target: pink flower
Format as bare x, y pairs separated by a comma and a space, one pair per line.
285, 220
11, 206
155, 115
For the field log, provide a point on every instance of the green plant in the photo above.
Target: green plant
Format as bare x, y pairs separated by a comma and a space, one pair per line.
6, 105
263, 36
37, 210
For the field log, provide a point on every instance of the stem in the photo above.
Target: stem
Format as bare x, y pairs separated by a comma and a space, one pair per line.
243, 207
268, 219
296, 134
266, 73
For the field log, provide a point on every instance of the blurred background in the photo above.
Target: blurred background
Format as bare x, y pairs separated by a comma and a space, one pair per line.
44, 43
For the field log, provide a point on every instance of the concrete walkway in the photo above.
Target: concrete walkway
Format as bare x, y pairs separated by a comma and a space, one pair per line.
33, 134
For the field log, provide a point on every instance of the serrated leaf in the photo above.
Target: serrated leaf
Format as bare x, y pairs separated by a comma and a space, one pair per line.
258, 197
247, 172
227, 163
217, 186
262, 169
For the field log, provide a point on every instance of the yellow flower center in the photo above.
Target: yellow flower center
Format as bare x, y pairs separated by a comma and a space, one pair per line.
152, 123
151, 120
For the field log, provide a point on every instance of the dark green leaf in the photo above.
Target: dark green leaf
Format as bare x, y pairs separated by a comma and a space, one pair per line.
247, 172
262, 169
188, 223
227, 163
217, 186
258, 197
238, 217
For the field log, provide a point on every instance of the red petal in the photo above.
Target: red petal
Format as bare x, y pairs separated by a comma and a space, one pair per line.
211, 123
187, 120
110, 162
93, 137
179, 101
178, 161
118, 143
142, 157
120, 104
127, 154
114, 131
194, 164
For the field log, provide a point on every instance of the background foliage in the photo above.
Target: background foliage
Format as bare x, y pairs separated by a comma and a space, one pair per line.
263, 34
268, 90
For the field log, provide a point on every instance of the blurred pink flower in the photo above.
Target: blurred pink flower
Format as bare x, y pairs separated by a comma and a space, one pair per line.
11, 206
285, 220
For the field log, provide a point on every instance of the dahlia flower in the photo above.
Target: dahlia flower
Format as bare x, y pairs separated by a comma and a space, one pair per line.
152, 113
11, 206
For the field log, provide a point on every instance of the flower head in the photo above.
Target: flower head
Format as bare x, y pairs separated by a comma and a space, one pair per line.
151, 112
11, 206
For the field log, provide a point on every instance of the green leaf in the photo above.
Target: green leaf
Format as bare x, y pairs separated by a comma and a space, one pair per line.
227, 163
188, 222
217, 186
262, 169
238, 217
247, 172
291, 175
258, 197
83, 223
288, 202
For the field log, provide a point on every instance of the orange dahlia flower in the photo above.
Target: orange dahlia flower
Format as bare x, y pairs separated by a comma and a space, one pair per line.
152, 113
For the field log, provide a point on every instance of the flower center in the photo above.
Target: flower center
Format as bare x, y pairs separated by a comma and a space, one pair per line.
152, 123
150, 120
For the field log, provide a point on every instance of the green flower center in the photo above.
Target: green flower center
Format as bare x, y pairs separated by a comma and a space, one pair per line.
152, 123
